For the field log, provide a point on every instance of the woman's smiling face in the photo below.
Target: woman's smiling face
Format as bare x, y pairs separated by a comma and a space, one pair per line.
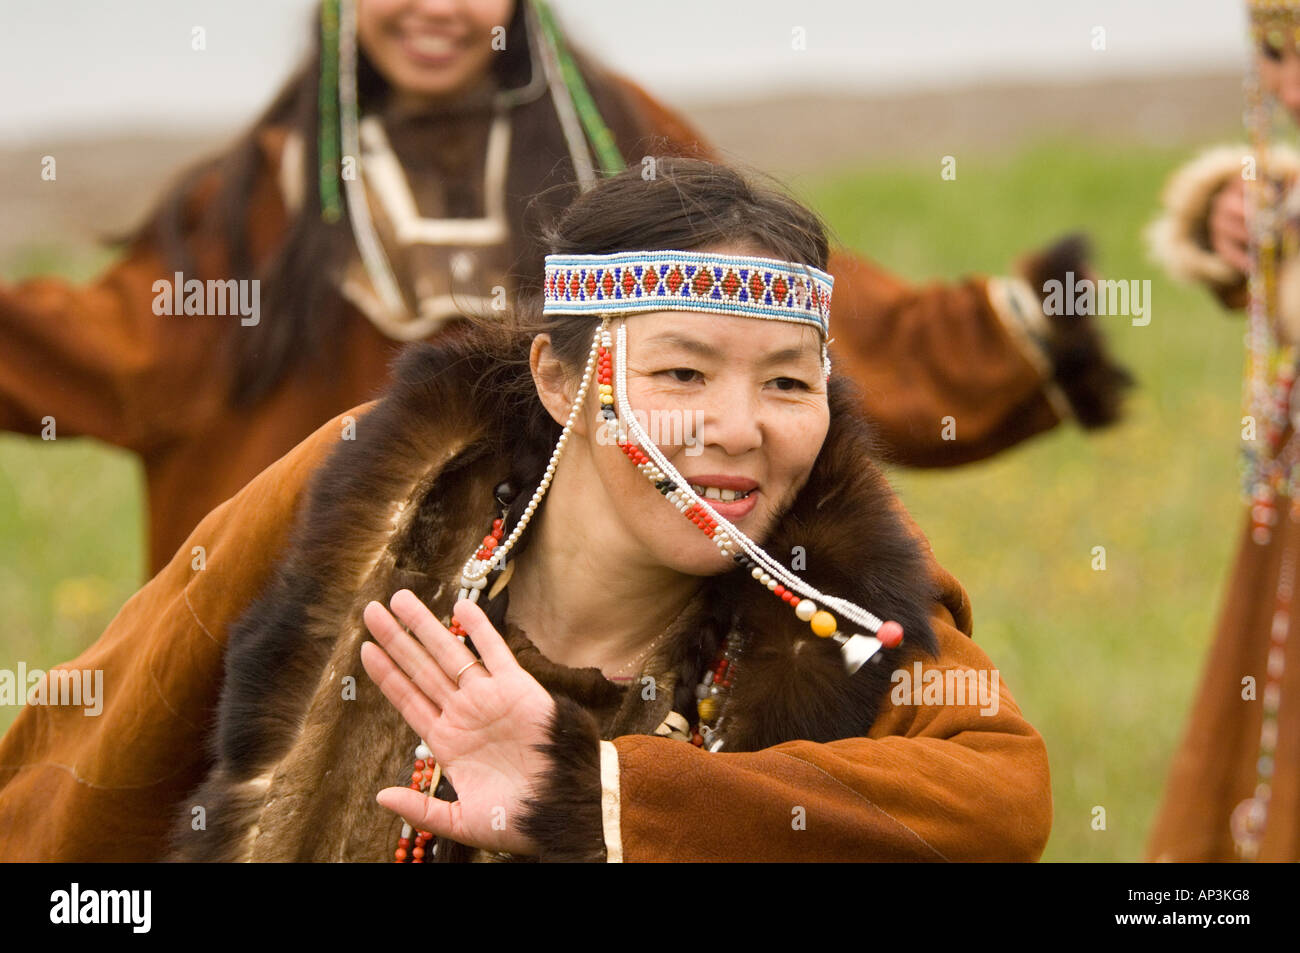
431, 49
738, 405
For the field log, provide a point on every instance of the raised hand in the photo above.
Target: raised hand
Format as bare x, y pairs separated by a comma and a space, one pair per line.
1228, 233
482, 731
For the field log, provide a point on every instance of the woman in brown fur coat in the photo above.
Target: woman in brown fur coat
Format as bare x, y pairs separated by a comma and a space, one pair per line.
466, 142
650, 688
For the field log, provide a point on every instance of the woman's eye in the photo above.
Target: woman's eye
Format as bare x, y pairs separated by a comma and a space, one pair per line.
789, 383
1272, 49
683, 375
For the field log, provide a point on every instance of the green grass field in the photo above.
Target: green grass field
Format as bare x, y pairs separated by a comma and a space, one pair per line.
1102, 663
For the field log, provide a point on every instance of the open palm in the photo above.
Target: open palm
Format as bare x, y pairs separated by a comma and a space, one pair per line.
483, 733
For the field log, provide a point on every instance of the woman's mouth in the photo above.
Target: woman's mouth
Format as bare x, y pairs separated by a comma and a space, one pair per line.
431, 49
730, 502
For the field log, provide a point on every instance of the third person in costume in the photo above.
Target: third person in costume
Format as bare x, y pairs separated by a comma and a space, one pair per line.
1232, 222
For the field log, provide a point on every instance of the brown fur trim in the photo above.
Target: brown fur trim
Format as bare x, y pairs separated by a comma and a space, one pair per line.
363, 527
563, 815
1092, 380
1178, 239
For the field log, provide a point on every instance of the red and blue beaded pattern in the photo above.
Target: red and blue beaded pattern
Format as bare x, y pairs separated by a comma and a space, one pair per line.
632, 282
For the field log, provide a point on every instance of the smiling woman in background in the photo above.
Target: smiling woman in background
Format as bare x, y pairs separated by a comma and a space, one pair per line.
399, 182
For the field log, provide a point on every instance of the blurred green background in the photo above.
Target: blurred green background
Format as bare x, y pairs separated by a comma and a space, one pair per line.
1102, 663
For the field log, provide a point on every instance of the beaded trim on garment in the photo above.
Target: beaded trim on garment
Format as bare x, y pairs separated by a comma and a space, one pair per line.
340, 134
1270, 464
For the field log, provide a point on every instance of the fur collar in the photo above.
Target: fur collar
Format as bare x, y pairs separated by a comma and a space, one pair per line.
304, 739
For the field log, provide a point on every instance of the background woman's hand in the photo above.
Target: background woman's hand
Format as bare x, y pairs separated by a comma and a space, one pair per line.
1229, 238
482, 733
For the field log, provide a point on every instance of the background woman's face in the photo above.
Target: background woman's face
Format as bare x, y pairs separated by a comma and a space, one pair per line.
431, 49
741, 406
1279, 66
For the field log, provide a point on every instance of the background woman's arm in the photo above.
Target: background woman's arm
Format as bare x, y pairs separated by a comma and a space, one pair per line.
980, 350
102, 361
76, 786
1200, 235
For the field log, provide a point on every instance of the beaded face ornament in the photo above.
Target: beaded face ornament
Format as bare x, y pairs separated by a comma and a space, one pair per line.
1270, 461
627, 283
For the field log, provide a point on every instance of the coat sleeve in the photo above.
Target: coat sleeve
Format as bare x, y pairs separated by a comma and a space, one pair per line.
99, 360
929, 783
936, 782
1179, 238
950, 372
78, 784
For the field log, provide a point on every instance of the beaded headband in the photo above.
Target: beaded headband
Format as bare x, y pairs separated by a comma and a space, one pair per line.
1270, 7
1269, 17
638, 281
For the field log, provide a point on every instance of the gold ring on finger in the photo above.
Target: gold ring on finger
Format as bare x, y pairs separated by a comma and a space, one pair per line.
464, 668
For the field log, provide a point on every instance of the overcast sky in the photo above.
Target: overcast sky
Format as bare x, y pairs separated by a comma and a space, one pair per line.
87, 66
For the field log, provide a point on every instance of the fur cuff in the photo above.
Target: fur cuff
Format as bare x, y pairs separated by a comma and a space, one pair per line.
563, 815
1179, 239
1093, 382
1090, 380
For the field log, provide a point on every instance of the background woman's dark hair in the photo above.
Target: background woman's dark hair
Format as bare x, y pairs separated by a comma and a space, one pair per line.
302, 309
688, 205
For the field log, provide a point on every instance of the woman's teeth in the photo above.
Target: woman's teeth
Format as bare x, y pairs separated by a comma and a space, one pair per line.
431, 45
722, 496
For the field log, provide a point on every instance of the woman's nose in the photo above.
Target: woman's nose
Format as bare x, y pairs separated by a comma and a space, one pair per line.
732, 420
1289, 85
